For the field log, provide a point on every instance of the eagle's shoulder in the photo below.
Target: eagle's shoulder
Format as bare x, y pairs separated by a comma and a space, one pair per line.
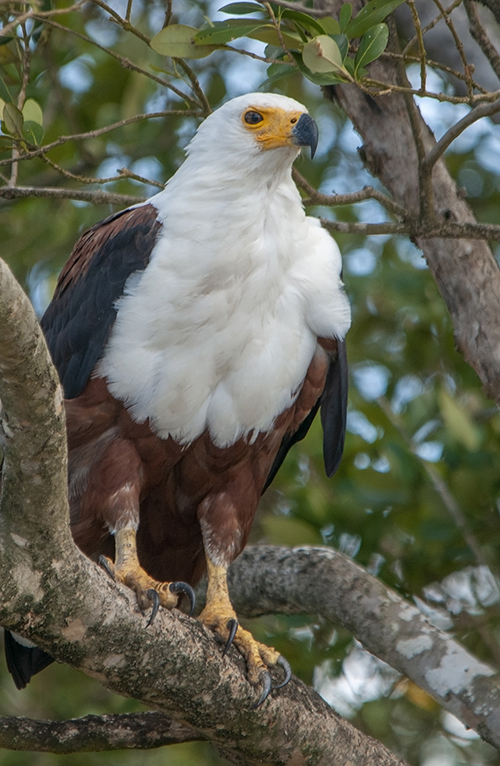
82, 312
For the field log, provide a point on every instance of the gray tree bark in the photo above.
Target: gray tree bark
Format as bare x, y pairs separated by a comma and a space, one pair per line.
396, 143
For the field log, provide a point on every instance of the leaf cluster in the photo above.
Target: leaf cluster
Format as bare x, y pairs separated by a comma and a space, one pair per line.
325, 50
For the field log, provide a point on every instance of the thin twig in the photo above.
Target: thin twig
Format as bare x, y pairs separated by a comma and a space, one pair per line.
435, 65
421, 47
383, 88
124, 62
256, 56
97, 197
168, 14
419, 229
484, 110
278, 32
366, 229
368, 192
458, 45
32, 154
431, 25
479, 34
123, 23
126, 173
195, 84
75, 177
21, 97
41, 16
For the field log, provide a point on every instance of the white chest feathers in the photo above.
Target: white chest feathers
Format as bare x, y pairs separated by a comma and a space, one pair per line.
219, 330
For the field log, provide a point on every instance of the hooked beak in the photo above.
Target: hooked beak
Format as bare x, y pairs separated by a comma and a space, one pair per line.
305, 133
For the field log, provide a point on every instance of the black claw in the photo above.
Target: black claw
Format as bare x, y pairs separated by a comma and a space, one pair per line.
267, 684
155, 598
183, 587
232, 626
105, 565
288, 672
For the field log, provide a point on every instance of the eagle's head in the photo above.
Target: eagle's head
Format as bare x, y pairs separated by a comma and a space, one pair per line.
257, 125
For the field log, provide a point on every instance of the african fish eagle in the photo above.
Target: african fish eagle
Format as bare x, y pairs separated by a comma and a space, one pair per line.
196, 335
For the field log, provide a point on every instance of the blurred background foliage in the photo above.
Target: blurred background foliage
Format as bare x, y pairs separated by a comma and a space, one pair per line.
417, 498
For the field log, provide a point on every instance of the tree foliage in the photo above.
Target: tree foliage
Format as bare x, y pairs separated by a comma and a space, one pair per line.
95, 114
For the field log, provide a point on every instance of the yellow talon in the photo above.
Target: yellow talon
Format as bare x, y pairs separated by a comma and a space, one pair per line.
127, 570
220, 617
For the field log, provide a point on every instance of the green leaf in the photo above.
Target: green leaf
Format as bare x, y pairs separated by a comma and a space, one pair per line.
32, 111
349, 65
267, 34
373, 13
458, 422
328, 78
12, 120
223, 32
343, 44
322, 54
345, 16
5, 40
372, 45
177, 41
33, 132
241, 9
330, 25
312, 25
277, 72
4, 92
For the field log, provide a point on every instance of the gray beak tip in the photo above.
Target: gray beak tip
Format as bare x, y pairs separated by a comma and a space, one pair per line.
306, 133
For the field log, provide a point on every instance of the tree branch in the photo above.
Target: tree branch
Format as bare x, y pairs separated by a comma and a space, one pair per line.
478, 32
56, 597
97, 197
483, 110
94, 733
270, 579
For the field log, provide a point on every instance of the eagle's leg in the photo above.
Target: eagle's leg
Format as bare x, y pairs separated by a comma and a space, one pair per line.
127, 570
220, 617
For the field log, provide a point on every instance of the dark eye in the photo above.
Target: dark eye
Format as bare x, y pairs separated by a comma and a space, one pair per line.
252, 118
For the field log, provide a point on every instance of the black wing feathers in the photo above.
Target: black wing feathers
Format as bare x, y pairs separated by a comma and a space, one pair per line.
82, 312
334, 410
333, 403
24, 662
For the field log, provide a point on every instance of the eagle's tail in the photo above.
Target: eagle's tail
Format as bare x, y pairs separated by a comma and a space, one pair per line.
24, 659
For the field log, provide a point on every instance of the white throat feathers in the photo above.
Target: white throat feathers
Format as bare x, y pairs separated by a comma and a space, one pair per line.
218, 332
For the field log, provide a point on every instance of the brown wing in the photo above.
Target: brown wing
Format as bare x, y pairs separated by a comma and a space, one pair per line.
82, 312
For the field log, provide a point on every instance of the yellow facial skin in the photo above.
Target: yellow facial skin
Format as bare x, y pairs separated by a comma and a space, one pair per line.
275, 128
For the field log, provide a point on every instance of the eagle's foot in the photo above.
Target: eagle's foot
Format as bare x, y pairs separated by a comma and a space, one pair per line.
219, 616
127, 570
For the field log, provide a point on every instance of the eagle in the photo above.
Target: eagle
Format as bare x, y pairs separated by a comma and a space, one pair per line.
196, 335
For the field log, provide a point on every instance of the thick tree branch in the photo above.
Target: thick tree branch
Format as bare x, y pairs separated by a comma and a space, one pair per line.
56, 597
269, 579
94, 733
